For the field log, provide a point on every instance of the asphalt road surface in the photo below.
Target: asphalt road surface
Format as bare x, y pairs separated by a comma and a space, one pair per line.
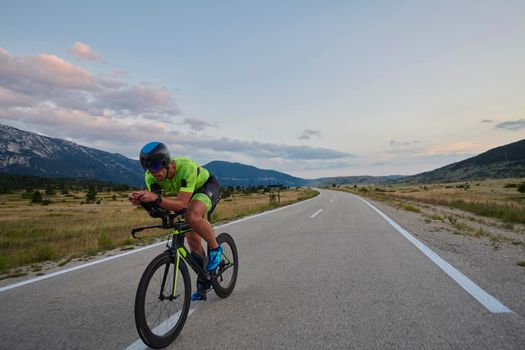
329, 273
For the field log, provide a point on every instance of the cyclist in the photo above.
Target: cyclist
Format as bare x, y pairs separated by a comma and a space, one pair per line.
197, 191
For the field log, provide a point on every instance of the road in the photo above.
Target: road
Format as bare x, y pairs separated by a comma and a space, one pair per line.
329, 273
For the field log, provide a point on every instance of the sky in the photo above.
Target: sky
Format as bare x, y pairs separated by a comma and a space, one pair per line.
309, 88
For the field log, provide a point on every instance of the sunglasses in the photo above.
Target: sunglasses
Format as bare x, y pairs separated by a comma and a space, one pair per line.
155, 168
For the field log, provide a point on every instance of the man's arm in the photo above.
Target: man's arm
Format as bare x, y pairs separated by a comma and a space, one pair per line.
174, 204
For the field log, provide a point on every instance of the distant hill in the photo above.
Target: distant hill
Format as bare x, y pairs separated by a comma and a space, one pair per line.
500, 162
236, 174
26, 153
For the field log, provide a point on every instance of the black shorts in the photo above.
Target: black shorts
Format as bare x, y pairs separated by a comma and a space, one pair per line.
212, 189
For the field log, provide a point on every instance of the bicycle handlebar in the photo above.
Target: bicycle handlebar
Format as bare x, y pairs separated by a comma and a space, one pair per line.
155, 211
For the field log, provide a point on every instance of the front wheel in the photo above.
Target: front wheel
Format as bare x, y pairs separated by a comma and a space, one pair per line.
225, 278
162, 302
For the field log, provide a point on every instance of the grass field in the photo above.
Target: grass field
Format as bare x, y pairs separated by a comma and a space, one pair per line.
67, 228
492, 198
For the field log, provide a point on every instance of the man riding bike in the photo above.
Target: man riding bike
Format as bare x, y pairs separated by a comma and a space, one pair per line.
196, 190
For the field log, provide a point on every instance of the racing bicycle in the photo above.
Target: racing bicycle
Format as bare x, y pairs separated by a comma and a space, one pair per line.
162, 302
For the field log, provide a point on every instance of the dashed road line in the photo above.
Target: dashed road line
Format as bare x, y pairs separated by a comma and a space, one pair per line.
317, 212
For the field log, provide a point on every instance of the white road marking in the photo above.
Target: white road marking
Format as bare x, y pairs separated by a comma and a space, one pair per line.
317, 212
492, 304
139, 344
58, 273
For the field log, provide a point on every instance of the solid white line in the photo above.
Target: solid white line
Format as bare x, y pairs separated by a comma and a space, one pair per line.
139, 344
317, 212
492, 304
40, 278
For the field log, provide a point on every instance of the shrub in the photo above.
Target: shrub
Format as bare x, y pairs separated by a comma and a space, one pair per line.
43, 253
411, 208
50, 191
37, 197
104, 242
91, 195
521, 188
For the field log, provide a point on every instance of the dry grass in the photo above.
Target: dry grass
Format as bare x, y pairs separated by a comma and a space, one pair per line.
33, 233
486, 198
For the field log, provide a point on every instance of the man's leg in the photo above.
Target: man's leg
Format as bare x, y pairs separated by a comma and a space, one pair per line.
194, 242
195, 216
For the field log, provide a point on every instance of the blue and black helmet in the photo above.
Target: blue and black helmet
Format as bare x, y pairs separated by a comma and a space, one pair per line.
154, 155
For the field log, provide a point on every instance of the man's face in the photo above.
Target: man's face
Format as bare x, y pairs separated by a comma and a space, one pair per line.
158, 171
159, 175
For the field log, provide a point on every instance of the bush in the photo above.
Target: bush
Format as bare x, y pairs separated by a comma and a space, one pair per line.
43, 253
37, 197
521, 188
50, 191
91, 195
104, 242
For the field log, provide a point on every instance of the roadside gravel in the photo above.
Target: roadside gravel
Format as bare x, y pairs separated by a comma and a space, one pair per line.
485, 250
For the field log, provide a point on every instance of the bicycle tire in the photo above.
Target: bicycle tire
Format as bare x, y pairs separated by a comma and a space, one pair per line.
146, 289
229, 256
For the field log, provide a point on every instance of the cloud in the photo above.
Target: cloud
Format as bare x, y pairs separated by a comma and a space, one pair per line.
403, 146
198, 124
49, 80
511, 125
459, 148
84, 51
49, 95
136, 99
308, 133
487, 121
42, 75
267, 150
394, 143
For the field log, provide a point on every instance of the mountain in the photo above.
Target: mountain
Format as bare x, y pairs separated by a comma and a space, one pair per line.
236, 174
500, 162
26, 153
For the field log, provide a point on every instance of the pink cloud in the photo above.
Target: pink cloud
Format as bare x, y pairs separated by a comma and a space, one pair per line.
10, 98
84, 51
51, 79
459, 148
39, 74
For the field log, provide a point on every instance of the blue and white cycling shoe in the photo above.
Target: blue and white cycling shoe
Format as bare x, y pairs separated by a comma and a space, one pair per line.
214, 259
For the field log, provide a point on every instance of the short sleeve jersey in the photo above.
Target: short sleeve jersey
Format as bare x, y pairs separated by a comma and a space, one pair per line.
189, 176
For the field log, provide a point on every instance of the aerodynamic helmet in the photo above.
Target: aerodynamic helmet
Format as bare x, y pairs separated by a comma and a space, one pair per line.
154, 156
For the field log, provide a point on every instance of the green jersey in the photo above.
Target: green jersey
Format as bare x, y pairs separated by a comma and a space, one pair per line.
189, 176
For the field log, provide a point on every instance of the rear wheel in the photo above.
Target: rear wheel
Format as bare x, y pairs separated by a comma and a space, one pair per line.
226, 276
162, 302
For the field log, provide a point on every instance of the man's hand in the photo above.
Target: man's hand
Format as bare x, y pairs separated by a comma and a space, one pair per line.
142, 196
134, 198
146, 196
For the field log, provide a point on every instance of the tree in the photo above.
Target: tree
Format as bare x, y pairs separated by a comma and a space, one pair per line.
50, 191
91, 194
64, 189
37, 197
